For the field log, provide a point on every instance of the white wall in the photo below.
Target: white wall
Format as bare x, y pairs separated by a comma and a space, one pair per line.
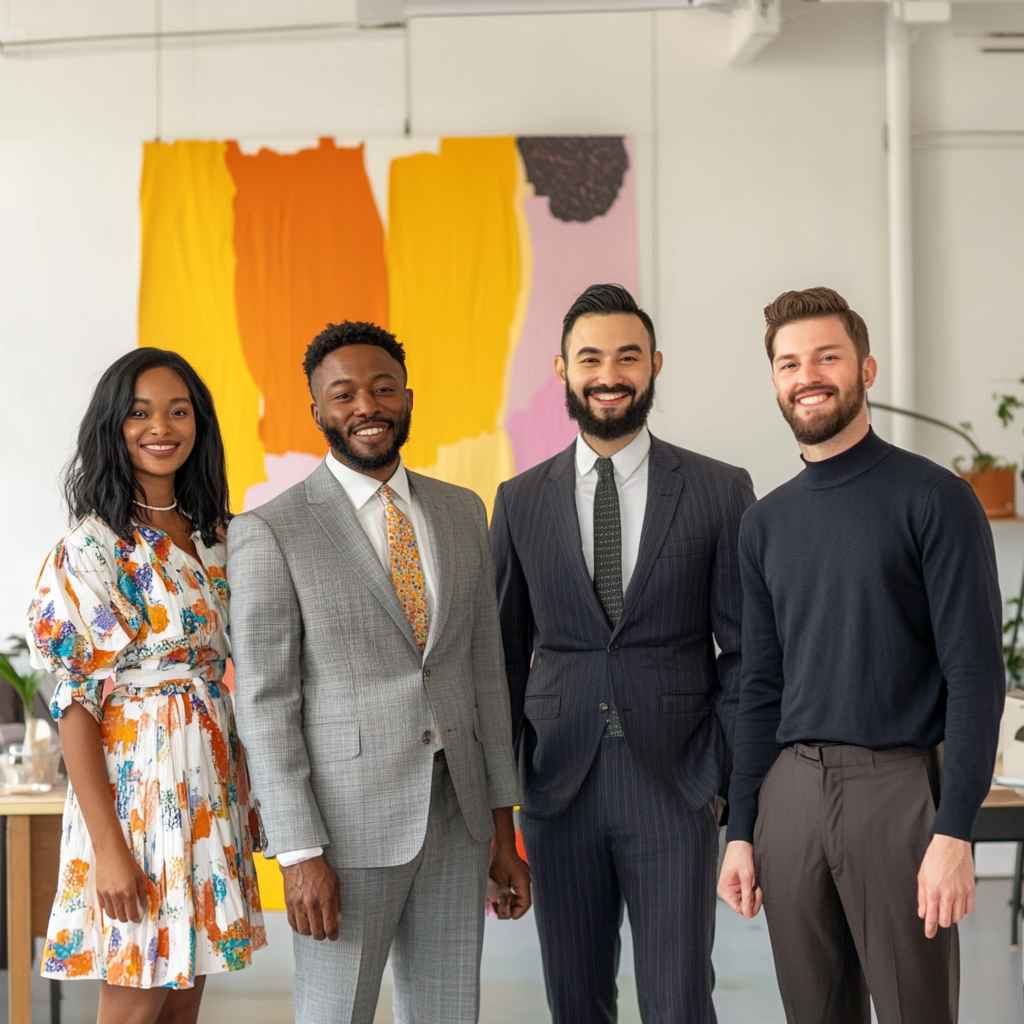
751, 180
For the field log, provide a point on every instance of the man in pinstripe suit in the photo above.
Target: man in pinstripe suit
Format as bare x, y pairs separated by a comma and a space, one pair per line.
617, 571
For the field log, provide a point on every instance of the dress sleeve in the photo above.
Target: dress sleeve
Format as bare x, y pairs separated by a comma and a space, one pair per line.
79, 622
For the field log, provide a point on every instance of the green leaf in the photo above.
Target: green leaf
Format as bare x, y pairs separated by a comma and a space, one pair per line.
24, 686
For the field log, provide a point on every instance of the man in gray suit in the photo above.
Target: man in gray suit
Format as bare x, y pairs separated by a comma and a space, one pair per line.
372, 703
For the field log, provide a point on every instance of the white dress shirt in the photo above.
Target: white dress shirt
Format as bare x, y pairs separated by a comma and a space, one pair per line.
630, 466
363, 493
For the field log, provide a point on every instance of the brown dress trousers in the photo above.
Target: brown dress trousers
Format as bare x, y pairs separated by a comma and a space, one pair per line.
840, 835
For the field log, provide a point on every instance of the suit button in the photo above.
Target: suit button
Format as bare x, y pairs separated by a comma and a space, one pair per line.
426, 673
614, 649
425, 738
602, 706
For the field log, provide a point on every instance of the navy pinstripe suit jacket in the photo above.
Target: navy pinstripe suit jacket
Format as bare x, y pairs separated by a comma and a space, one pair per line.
676, 699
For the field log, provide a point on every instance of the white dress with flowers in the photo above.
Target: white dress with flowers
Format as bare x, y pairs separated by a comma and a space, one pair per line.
153, 619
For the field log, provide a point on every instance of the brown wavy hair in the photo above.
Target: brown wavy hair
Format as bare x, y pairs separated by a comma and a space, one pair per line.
814, 304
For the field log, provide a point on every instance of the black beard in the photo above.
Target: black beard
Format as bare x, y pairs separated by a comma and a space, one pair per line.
369, 463
823, 428
627, 422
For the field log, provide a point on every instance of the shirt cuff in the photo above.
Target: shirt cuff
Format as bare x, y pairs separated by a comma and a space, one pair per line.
286, 860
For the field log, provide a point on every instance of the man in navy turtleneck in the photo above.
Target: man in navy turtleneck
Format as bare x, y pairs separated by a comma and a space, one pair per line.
871, 636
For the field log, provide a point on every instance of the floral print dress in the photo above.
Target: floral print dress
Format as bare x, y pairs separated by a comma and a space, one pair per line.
153, 619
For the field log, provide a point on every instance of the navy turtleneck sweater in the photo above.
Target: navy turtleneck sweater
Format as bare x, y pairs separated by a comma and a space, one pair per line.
871, 616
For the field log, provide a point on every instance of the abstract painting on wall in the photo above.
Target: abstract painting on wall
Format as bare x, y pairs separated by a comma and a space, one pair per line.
469, 250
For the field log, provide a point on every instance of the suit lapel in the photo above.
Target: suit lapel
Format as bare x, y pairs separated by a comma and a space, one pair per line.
333, 511
443, 548
664, 487
562, 512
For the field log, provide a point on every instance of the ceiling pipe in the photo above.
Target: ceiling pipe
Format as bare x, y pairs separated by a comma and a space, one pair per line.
901, 264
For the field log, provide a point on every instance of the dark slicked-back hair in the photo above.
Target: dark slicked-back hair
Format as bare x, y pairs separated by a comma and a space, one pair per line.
99, 477
604, 299
335, 336
814, 304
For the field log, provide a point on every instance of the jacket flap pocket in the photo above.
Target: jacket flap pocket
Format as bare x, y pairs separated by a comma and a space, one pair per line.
337, 740
543, 706
685, 701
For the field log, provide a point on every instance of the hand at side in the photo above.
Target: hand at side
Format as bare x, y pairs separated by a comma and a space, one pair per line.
737, 884
311, 896
945, 884
121, 885
509, 871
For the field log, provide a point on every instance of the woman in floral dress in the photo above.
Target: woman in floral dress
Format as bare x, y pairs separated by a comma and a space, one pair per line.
157, 887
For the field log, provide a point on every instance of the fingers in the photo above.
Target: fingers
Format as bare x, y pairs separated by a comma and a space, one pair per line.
746, 895
523, 897
108, 906
757, 901
931, 914
331, 917
729, 890
142, 892
301, 924
122, 905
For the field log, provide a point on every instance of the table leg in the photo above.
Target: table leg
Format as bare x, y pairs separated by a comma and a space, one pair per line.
1018, 877
19, 920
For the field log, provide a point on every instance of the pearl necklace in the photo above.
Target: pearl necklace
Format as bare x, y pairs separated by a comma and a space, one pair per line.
157, 508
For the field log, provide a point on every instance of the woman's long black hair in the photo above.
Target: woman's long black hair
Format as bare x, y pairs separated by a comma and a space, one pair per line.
99, 477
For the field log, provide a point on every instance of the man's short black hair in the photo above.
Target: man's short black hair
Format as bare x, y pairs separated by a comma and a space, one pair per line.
604, 299
335, 336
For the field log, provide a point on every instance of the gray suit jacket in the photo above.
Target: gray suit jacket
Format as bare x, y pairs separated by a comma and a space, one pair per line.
332, 696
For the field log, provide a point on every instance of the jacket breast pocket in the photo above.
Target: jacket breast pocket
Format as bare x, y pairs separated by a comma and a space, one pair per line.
335, 740
543, 706
685, 702
685, 547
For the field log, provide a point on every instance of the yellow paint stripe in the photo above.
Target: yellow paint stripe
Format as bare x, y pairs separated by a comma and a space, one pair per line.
454, 270
186, 295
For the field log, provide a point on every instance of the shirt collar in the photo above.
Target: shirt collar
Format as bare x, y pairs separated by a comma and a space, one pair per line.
360, 488
626, 461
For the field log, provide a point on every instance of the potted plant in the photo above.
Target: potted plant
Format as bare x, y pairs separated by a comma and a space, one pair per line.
993, 479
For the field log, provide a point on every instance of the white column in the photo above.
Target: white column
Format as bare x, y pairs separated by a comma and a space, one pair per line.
901, 242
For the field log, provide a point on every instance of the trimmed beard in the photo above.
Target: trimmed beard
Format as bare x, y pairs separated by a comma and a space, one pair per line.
611, 429
823, 428
369, 463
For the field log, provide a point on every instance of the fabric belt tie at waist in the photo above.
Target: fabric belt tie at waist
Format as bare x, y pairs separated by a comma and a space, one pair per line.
849, 756
139, 684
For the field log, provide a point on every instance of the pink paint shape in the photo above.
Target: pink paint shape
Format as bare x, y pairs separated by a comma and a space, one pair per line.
283, 471
567, 259
543, 429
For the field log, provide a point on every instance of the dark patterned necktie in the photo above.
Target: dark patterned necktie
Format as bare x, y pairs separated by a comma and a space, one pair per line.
608, 558
607, 542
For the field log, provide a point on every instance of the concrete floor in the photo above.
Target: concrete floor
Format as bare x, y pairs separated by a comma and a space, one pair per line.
513, 991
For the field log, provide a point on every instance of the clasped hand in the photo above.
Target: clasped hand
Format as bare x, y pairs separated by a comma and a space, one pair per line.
312, 898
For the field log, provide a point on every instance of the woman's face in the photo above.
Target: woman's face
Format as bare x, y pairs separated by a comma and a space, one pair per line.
160, 430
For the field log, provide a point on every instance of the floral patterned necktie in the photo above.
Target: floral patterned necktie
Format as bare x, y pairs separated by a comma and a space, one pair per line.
406, 569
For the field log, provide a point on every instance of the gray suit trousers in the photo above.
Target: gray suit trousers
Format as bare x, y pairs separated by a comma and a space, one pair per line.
840, 835
429, 914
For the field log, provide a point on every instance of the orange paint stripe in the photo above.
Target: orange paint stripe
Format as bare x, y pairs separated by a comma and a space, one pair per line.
309, 246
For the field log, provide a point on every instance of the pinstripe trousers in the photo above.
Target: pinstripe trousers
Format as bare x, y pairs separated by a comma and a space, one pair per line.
625, 841
429, 914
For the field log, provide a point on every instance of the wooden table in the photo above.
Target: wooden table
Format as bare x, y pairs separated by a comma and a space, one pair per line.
1000, 820
33, 863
